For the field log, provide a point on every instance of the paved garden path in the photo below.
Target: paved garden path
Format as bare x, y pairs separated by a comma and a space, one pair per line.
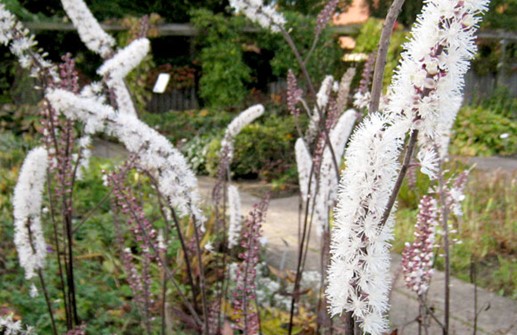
499, 315
281, 231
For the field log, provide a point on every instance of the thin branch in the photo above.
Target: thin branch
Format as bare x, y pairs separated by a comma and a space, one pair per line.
403, 170
382, 52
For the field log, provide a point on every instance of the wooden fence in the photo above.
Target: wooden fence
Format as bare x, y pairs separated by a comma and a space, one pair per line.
476, 89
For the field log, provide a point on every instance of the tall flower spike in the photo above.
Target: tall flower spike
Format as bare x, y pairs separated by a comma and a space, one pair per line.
430, 78
303, 164
28, 234
322, 100
325, 15
358, 276
89, 29
234, 205
255, 10
117, 68
294, 93
237, 124
417, 257
176, 181
328, 181
22, 44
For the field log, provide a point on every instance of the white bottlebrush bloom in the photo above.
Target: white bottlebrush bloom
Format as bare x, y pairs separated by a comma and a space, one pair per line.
358, 276
27, 199
429, 80
304, 166
328, 181
7, 22
117, 68
242, 120
22, 44
89, 29
122, 96
234, 206
322, 99
255, 10
10, 327
176, 181
125, 59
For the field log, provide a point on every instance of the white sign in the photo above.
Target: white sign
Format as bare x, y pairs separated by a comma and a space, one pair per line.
161, 83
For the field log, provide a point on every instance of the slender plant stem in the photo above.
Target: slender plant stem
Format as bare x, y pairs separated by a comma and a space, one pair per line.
300, 252
92, 211
181, 237
308, 80
400, 178
42, 281
47, 300
201, 278
58, 251
382, 52
168, 273
446, 247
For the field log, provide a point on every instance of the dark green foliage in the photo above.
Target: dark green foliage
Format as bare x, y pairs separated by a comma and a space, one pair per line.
501, 15
324, 60
224, 73
481, 132
263, 149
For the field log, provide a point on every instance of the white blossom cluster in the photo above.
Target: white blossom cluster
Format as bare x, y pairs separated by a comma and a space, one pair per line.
125, 59
255, 10
428, 80
417, 257
428, 84
22, 44
304, 166
10, 327
234, 205
90, 31
155, 153
117, 68
27, 199
322, 99
358, 276
328, 180
234, 128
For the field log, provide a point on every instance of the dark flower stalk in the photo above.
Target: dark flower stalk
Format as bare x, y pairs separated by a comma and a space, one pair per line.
245, 292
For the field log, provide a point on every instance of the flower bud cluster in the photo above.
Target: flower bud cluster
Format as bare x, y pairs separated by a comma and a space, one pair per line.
417, 257
245, 291
255, 10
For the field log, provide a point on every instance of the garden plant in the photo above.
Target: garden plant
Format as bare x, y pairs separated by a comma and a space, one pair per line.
195, 270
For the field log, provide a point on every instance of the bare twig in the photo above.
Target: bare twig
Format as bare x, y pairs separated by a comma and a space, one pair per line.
382, 51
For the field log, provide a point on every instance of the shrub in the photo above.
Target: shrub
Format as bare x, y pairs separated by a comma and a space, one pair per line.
480, 131
263, 150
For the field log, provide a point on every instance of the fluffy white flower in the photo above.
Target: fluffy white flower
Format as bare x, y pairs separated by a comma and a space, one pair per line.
322, 99
256, 11
89, 29
125, 59
242, 120
429, 162
358, 276
234, 206
28, 234
304, 165
176, 181
328, 181
430, 78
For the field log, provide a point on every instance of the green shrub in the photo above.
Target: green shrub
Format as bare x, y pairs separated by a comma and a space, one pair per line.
481, 132
264, 150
